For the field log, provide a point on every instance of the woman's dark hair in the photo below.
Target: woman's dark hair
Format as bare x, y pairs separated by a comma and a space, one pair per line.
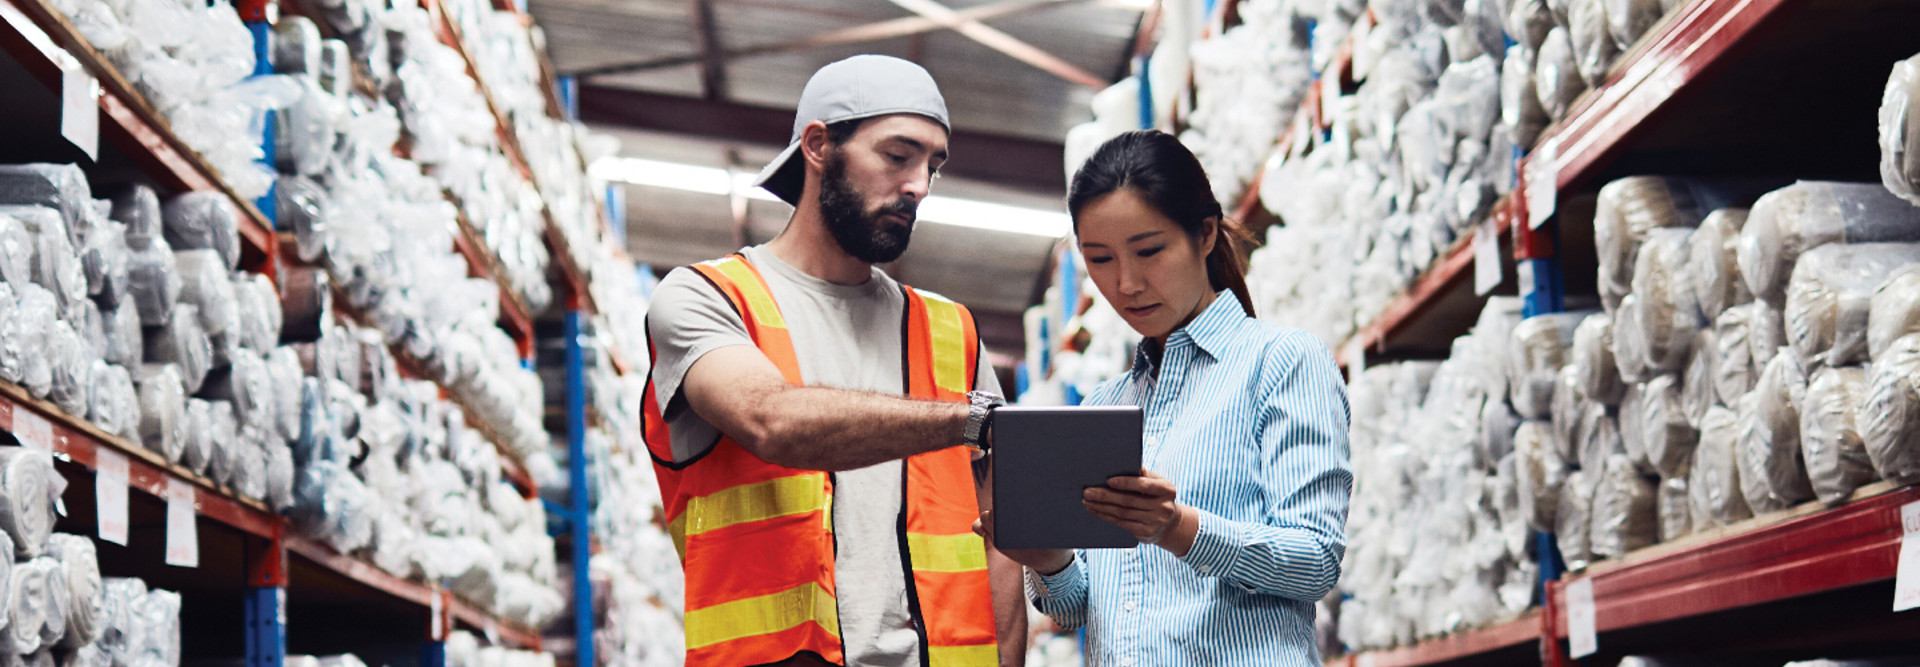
1155, 166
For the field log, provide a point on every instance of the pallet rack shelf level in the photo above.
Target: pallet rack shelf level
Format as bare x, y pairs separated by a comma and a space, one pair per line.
1524, 631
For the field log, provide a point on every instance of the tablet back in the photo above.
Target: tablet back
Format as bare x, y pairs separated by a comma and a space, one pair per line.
1043, 458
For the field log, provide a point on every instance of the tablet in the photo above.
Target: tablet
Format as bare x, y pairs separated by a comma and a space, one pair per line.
1043, 458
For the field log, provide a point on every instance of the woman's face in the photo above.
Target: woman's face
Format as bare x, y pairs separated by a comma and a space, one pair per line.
1149, 268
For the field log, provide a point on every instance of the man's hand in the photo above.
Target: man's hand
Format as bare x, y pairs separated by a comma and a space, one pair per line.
1043, 561
1146, 506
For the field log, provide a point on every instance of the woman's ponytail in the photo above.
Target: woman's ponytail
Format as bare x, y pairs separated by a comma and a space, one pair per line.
1226, 269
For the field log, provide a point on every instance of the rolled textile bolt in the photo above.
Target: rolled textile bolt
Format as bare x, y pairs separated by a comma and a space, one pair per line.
1830, 437
1627, 20
59, 601
1772, 473
87, 608
1630, 343
1599, 437
1767, 333
1830, 297
1541, 475
1900, 131
1669, 315
69, 366
1575, 519
1541, 345
1890, 418
104, 259
1734, 372
1714, 479
1633, 427
1670, 439
31, 487
1529, 21
153, 282
1894, 310
1593, 45
1557, 74
1568, 415
203, 220
197, 454
1713, 268
1676, 509
1598, 373
305, 295
163, 410
122, 631
183, 343
60, 187
16, 251
138, 207
34, 319
160, 619
1786, 223
27, 603
1697, 392
1626, 514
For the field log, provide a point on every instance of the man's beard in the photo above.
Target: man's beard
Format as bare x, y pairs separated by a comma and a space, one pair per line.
859, 232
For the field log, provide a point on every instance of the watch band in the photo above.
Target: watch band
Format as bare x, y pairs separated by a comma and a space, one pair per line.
979, 418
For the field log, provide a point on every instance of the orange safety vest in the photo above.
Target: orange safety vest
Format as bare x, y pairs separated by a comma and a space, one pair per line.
756, 539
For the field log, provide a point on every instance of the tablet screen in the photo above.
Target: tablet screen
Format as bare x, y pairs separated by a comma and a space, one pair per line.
1044, 458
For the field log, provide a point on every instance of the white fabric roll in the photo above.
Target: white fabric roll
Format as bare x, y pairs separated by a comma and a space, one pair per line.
1626, 514
1714, 267
1830, 439
1556, 74
1669, 438
1540, 347
1714, 480
1541, 474
1520, 98
1890, 420
1630, 346
59, 601
1894, 310
1626, 211
1830, 297
1669, 315
1900, 131
1574, 518
1593, 44
30, 486
196, 453
1676, 509
1599, 374
1529, 21
160, 627
121, 631
1569, 414
28, 603
1697, 392
86, 611
1627, 20
1599, 437
1734, 372
1633, 428
1787, 223
1772, 475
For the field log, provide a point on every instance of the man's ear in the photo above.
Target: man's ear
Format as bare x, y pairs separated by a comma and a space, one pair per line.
813, 145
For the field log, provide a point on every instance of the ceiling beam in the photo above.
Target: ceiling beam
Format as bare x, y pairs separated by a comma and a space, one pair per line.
706, 37
870, 32
999, 41
1028, 164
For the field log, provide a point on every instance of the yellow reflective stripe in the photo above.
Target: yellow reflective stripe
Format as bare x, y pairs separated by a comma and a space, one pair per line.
755, 502
963, 656
964, 552
759, 302
948, 343
677, 529
767, 614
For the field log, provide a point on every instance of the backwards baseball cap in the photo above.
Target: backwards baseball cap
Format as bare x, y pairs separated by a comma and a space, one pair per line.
859, 87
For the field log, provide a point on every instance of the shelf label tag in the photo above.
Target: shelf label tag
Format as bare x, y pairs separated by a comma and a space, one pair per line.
33, 430
1582, 638
436, 625
80, 107
1487, 272
1542, 183
110, 494
1906, 577
183, 538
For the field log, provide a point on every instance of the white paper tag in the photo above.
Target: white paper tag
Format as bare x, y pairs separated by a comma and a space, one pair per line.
110, 494
33, 430
1906, 574
1543, 184
1354, 353
183, 538
492, 631
436, 628
80, 108
1487, 273
1582, 638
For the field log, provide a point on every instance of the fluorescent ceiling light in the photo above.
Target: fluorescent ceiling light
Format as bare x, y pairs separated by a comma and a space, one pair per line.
935, 209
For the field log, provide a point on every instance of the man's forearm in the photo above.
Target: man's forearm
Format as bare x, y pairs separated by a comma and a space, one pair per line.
830, 429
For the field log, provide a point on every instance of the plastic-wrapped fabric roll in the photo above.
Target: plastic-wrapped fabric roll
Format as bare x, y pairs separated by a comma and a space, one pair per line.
1830, 438
1598, 373
1627, 20
116, 404
196, 452
14, 338
1569, 414
283, 366
1626, 514
1714, 267
16, 251
205, 284
1520, 99
1676, 509
296, 46
1789, 222
88, 655
104, 261
153, 282
31, 486
1540, 347
225, 463
27, 602
1894, 310
1697, 392
1714, 480
160, 622
183, 343
1830, 298
1599, 437
163, 410
304, 132
333, 506
59, 601
204, 220
1890, 419
262, 306
304, 207
1669, 438
1593, 45
138, 207
1733, 370
25, 336
121, 628
60, 187
279, 476
1574, 519
1767, 335
86, 608
1669, 315
1541, 474
1556, 74
66, 358
1497, 426
248, 385
1630, 345
1900, 131
1529, 21
1633, 428
56, 262
125, 342
250, 473
1772, 474
1629, 208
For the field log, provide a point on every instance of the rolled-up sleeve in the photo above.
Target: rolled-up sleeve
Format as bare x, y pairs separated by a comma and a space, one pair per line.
1295, 551
1063, 595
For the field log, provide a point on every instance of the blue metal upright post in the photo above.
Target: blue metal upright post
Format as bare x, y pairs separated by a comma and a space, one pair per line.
1542, 291
578, 509
266, 601
258, 16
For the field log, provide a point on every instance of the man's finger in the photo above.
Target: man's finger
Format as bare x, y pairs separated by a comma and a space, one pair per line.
1099, 494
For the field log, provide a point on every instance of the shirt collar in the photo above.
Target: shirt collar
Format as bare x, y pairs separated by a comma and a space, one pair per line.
1211, 331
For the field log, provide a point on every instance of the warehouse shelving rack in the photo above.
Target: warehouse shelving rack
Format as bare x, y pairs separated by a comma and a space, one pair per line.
1736, 88
250, 557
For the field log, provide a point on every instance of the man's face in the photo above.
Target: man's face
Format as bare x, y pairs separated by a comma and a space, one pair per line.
872, 184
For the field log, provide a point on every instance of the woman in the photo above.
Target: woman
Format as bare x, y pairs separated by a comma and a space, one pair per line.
1242, 499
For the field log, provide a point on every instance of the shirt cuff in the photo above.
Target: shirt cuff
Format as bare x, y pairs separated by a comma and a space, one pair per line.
1065, 584
1216, 545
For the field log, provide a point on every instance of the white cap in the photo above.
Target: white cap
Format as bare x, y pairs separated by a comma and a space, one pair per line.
859, 87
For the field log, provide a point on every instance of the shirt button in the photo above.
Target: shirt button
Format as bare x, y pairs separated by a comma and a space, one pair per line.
1126, 661
1153, 441
1206, 569
1129, 605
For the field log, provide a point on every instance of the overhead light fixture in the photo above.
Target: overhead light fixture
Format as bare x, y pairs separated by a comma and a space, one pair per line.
935, 209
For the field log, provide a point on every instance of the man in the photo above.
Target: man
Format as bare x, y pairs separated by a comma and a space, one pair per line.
821, 516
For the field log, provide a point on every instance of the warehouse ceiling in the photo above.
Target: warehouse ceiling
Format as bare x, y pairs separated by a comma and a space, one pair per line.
713, 83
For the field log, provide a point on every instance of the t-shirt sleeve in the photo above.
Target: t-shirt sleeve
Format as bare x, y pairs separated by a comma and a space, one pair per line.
687, 319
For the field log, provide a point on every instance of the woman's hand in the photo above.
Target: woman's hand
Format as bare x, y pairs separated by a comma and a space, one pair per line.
1043, 561
1146, 506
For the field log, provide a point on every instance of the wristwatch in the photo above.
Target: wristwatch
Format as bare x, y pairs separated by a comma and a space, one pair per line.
980, 418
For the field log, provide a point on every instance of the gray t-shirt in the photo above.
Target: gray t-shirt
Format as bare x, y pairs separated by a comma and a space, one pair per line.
845, 337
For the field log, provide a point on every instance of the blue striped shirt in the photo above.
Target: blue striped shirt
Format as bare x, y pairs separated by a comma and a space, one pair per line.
1249, 420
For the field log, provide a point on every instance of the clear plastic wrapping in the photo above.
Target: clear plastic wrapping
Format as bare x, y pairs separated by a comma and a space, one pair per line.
1540, 347
1787, 223
228, 461
59, 602
1767, 334
159, 623
104, 260
71, 368
1630, 346
153, 282
1568, 415
16, 251
1668, 437
1890, 419
115, 407
1573, 531
32, 487
61, 187
1830, 298
1556, 74
1714, 267
1900, 131
183, 343
196, 452
204, 220
1669, 316
137, 207
205, 283
120, 632
26, 338
1627, 20
1598, 373
1772, 473
1520, 106
303, 207
1830, 437
1599, 437
1541, 474
1627, 210
263, 331
1593, 44
1714, 480
28, 603
56, 265
1626, 513
1528, 22
283, 366
1894, 310
1734, 372
163, 410
1676, 509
